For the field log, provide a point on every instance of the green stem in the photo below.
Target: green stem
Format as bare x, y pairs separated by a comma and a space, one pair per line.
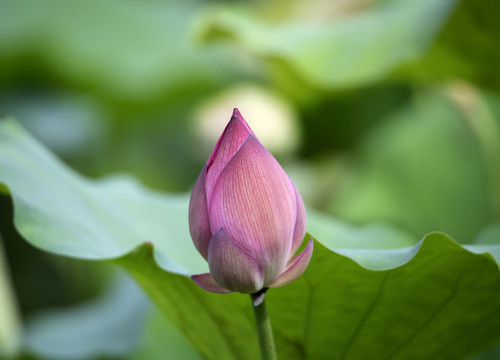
264, 331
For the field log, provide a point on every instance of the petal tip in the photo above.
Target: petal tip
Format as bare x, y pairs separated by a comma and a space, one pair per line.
238, 117
236, 113
296, 266
207, 282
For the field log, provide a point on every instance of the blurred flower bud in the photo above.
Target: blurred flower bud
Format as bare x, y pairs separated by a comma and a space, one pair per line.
246, 217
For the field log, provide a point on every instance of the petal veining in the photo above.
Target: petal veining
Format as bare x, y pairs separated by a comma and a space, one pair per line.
199, 225
207, 282
233, 267
255, 202
234, 135
300, 224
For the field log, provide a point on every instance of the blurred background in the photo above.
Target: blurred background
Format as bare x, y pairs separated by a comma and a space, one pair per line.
380, 111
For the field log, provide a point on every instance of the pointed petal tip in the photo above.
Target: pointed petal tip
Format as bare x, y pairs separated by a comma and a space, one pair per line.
236, 113
207, 282
296, 267
238, 117
233, 136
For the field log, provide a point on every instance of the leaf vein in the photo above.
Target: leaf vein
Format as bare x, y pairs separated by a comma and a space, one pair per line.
434, 314
366, 316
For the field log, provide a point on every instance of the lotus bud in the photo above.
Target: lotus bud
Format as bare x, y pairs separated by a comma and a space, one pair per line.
246, 217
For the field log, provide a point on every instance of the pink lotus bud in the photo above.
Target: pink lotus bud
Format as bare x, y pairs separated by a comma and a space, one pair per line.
246, 217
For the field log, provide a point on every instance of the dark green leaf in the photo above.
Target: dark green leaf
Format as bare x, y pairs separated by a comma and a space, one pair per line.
467, 47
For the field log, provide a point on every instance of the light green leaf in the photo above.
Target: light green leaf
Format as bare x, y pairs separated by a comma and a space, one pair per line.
64, 213
357, 49
432, 300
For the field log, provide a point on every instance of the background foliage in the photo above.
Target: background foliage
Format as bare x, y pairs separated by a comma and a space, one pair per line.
385, 113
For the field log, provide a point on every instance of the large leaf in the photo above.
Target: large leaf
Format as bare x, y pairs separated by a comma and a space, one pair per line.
431, 300
416, 302
341, 53
113, 216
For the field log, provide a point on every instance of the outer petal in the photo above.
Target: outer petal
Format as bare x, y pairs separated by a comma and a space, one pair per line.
254, 202
295, 267
234, 135
207, 282
300, 224
233, 267
199, 226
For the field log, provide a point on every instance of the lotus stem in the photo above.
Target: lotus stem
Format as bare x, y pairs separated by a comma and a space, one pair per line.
264, 330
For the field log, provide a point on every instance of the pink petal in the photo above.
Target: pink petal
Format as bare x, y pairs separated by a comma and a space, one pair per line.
300, 224
254, 202
237, 115
295, 267
199, 225
207, 282
232, 267
234, 135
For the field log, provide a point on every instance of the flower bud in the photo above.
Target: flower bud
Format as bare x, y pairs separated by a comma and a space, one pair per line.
246, 217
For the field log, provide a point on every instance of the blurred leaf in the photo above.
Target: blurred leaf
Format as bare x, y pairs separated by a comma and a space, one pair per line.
491, 354
355, 50
117, 324
10, 326
432, 300
426, 168
110, 325
71, 126
467, 47
489, 235
125, 49
338, 234
162, 340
